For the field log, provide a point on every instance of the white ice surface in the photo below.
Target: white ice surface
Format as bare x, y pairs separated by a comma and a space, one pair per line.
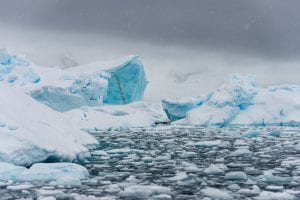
60, 172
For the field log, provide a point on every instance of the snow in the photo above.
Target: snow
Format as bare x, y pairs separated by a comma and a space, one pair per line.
239, 101
136, 114
62, 173
33, 131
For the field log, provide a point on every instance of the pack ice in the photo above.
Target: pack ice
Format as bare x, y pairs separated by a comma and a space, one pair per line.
43, 110
239, 101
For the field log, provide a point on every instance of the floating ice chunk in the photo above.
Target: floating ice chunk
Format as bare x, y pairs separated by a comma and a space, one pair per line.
49, 193
139, 191
275, 133
270, 178
250, 192
53, 171
236, 176
10, 171
20, 187
61, 172
179, 176
275, 188
113, 189
234, 187
213, 169
123, 150
241, 152
216, 194
266, 195
99, 153
161, 197
188, 154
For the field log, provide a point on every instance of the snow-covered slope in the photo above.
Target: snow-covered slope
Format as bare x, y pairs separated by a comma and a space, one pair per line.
32, 132
240, 102
137, 114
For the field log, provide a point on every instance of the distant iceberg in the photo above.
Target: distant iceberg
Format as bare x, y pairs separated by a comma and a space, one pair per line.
239, 101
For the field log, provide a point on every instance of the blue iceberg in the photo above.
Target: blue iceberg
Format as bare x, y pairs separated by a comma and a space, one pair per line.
127, 83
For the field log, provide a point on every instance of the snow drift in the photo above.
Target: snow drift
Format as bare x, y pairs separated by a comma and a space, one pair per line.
240, 102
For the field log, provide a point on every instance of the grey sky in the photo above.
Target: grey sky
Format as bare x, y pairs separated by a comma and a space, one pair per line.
268, 28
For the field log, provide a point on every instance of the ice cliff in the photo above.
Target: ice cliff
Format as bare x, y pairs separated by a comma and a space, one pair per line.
239, 101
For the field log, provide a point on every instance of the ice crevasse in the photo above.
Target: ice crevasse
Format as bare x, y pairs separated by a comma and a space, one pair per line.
239, 101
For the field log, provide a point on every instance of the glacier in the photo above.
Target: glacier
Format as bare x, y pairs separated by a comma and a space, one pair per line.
239, 101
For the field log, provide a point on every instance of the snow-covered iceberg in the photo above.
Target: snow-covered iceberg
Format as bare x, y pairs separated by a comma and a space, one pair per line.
118, 82
44, 111
240, 102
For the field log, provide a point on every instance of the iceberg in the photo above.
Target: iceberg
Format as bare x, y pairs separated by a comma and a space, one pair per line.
127, 83
95, 84
46, 113
239, 101
122, 84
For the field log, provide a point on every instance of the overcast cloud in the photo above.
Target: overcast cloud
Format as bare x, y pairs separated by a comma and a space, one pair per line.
177, 38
